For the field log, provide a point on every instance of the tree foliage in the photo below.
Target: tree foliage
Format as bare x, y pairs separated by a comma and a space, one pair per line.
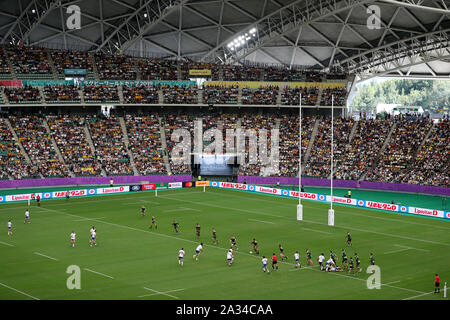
431, 95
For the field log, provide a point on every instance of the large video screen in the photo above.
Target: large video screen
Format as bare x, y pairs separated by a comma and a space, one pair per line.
215, 166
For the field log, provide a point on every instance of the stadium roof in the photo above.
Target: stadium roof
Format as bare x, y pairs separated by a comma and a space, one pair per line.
412, 38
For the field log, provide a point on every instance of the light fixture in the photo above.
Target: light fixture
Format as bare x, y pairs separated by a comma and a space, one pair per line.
145, 15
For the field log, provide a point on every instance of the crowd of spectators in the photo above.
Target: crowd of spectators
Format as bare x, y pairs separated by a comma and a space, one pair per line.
114, 67
173, 122
5, 70
107, 137
432, 163
360, 153
319, 160
25, 94
101, 93
289, 151
12, 162
69, 135
30, 60
251, 162
291, 96
186, 66
220, 95
157, 69
260, 96
59, 93
339, 95
37, 143
180, 94
398, 157
140, 94
241, 73
70, 59
145, 143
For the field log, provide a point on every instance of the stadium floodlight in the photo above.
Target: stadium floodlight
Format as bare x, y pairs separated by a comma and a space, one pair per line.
242, 39
331, 211
300, 206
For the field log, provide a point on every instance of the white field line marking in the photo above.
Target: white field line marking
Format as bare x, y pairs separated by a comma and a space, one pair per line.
391, 282
190, 209
221, 248
420, 295
396, 251
261, 221
172, 210
84, 219
155, 294
163, 293
349, 213
102, 274
316, 230
412, 248
7, 244
43, 255
25, 294
308, 221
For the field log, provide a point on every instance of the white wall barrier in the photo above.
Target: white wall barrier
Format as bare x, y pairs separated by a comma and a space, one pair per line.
326, 198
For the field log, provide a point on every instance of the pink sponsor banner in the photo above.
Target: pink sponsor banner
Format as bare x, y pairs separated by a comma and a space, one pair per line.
72, 193
229, 185
11, 83
113, 190
304, 195
381, 205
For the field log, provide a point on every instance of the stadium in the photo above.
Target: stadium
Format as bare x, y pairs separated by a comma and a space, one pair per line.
222, 130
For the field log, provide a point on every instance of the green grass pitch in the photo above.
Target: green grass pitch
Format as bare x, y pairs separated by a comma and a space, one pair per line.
132, 261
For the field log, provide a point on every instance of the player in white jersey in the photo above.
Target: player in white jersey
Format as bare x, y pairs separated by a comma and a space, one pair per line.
72, 239
264, 262
321, 260
181, 256
230, 257
27, 216
297, 259
9, 228
93, 235
197, 251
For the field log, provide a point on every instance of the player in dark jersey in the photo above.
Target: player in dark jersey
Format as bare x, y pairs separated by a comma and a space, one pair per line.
233, 242
309, 257
371, 259
214, 236
175, 225
282, 255
274, 262
38, 200
197, 231
333, 257
153, 223
142, 210
67, 195
358, 262
351, 266
344, 259
349, 239
254, 244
